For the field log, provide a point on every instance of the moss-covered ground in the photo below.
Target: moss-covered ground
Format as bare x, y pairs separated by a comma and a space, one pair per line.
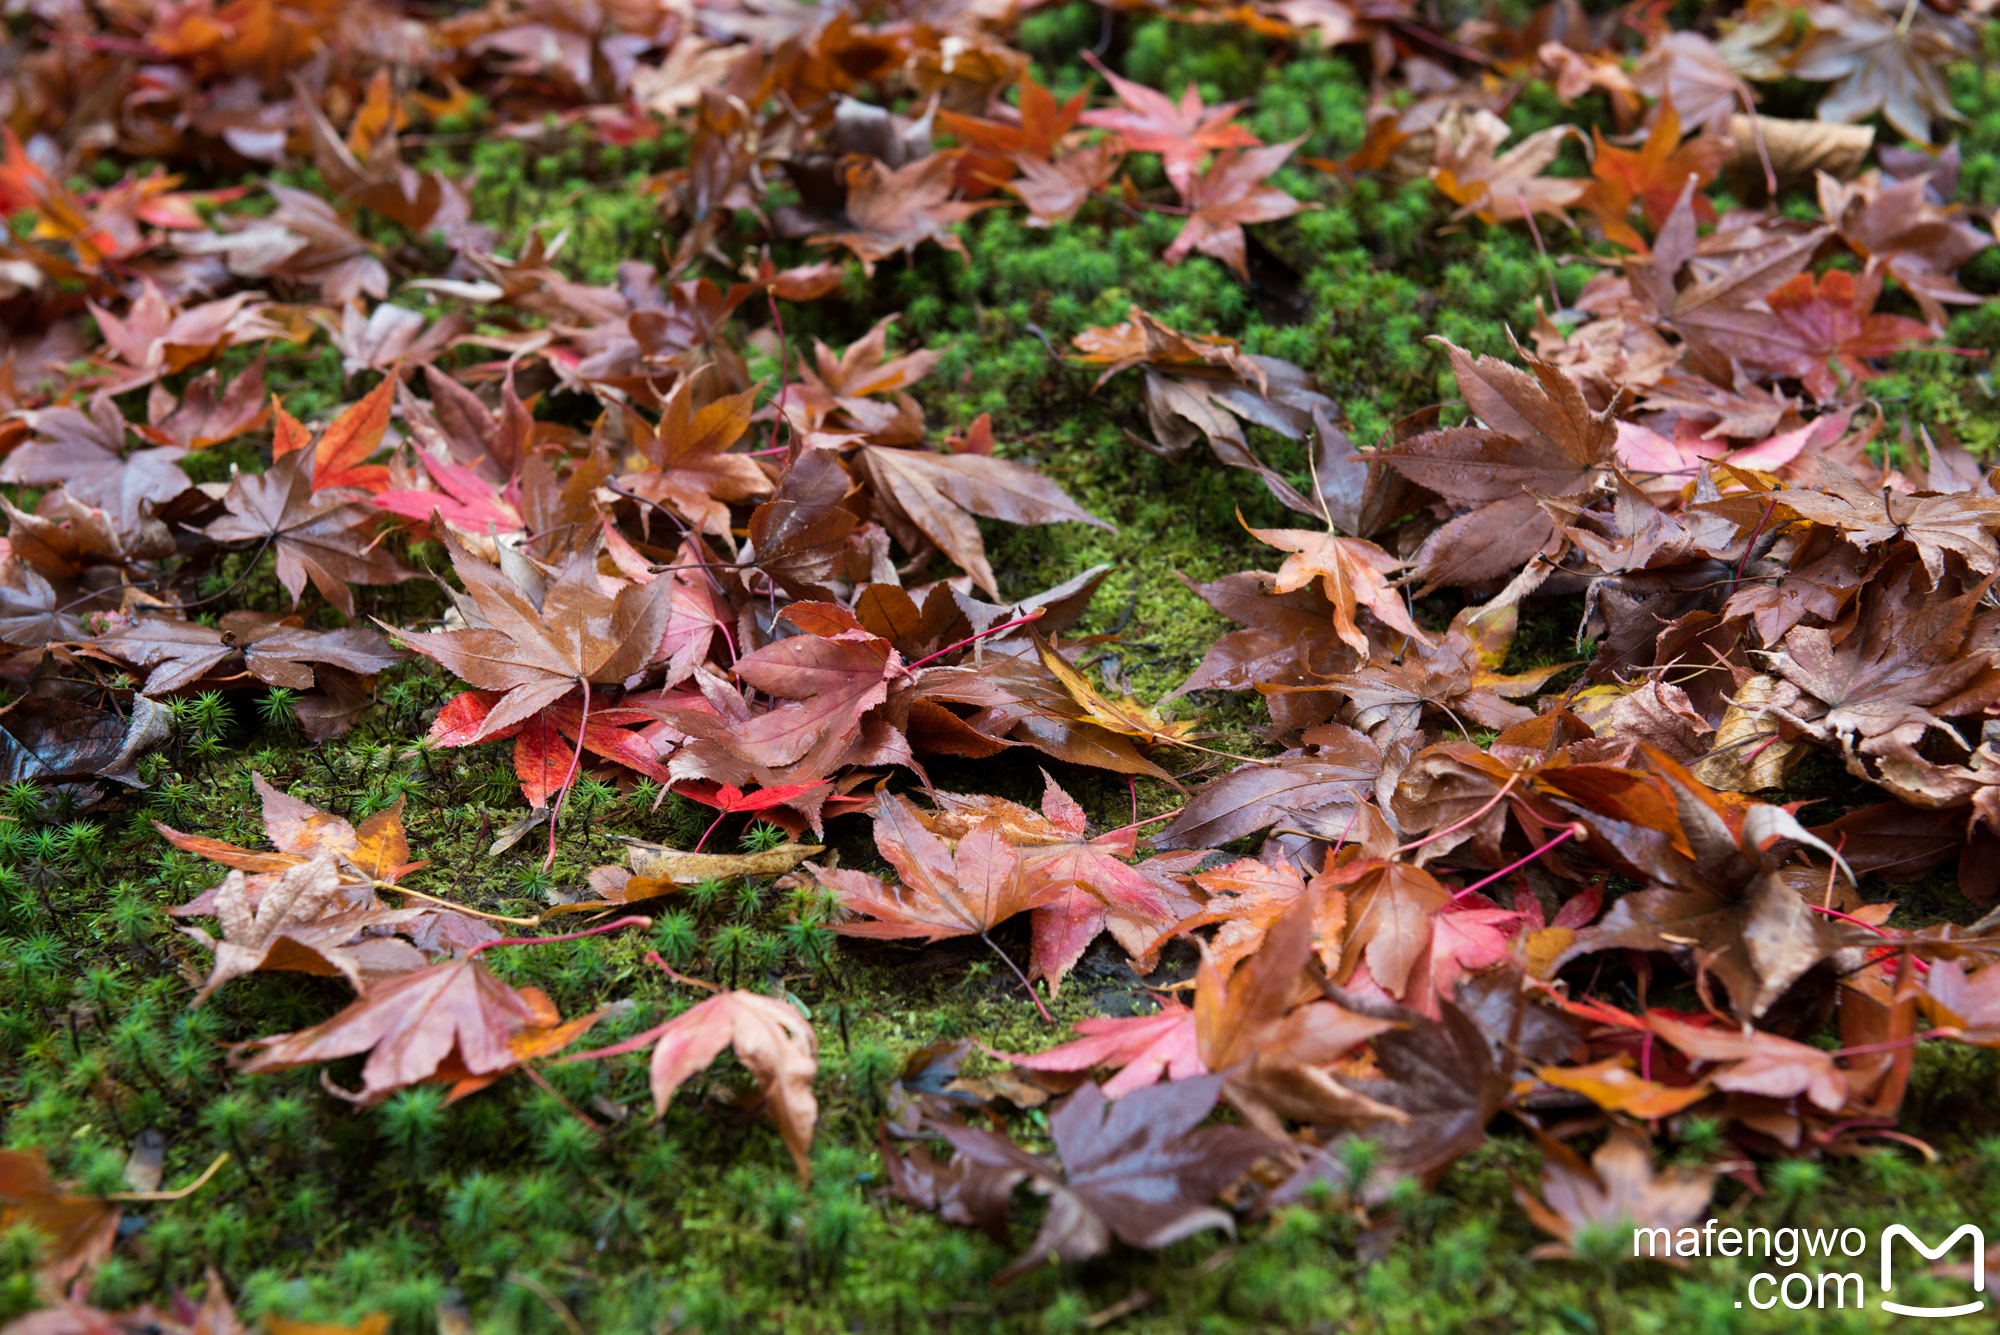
509, 1207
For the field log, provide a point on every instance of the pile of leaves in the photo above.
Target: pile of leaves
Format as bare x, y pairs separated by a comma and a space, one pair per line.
660, 548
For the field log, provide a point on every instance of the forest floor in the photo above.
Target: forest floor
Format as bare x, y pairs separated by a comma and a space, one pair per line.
509, 1206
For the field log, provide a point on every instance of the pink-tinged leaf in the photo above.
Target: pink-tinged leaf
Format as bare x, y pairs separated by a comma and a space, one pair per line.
729, 798
1144, 1048
467, 500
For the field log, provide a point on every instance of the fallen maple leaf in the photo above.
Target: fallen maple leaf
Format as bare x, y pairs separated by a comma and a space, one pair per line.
1883, 60
1182, 133
302, 922
1230, 193
1538, 436
1055, 189
1509, 187
1652, 176
769, 1037
934, 496
535, 651
452, 1023
1000, 147
898, 209
1351, 571
78, 1231
1137, 1169
1614, 1086
1759, 1062
1144, 1049
546, 742
946, 890
321, 538
1618, 1191
1824, 332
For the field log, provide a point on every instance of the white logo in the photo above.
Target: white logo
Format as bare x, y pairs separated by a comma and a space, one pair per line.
1894, 1231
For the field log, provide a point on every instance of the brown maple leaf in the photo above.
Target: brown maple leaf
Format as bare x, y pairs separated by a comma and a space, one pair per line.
1055, 188
1935, 525
1885, 60
304, 239
929, 498
536, 646
1201, 386
1269, 1028
1685, 71
824, 684
1319, 792
999, 148
1459, 676
300, 923
82, 451
1908, 660
1758, 1062
205, 414
1287, 642
1537, 436
1100, 891
1136, 1169
1351, 571
1721, 316
964, 887
1390, 907
1921, 244
691, 468
1442, 1075
1508, 187
378, 850
322, 537
77, 1231
1230, 193
1618, 1191
1718, 897
898, 209
452, 1023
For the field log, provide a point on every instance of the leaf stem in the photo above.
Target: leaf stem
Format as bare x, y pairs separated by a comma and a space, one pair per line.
635, 920
1569, 832
1033, 995
177, 1193
457, 908
569, 779
1453, 828
1035, 615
